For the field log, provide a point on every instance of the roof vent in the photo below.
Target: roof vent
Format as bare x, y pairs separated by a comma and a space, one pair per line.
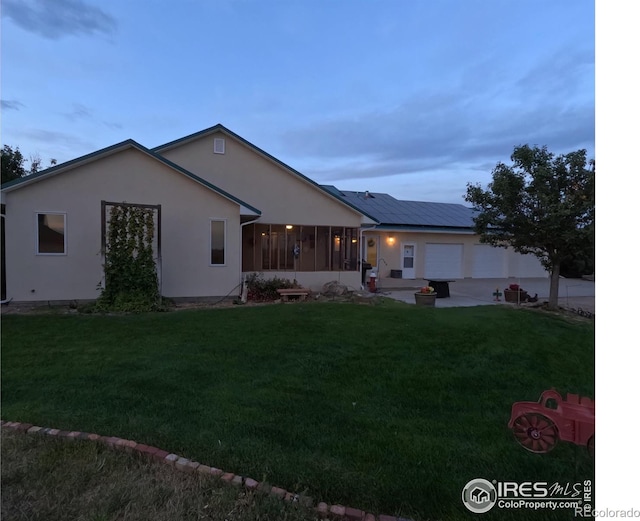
218, 145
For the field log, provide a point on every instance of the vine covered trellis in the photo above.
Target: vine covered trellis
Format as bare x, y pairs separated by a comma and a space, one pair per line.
131, 277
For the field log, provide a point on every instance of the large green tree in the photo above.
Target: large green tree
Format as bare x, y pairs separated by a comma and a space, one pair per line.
13, 163
541, 204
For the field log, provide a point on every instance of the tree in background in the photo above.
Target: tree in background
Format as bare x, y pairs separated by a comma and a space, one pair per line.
36, 164
13, 164
541, 204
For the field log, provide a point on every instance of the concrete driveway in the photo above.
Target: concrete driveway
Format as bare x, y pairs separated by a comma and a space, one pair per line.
573, 293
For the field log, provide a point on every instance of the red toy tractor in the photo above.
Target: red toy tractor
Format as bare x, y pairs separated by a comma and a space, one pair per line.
537, 426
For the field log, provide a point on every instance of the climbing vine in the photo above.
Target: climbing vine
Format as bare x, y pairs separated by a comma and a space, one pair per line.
131, 279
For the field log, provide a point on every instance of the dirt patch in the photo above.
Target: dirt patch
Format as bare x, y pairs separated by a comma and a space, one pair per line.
40, 309
572, 314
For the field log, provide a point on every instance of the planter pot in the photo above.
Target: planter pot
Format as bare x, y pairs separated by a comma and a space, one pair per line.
425, 299
511, 295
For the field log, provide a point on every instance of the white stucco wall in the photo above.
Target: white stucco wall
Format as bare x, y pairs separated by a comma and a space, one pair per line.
126, 176
514, 264
281, 196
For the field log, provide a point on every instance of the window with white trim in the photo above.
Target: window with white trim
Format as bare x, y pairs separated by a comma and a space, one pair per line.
51, 233
218, 242
218, 145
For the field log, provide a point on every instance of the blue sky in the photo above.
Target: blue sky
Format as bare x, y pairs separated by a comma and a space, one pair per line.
412, 98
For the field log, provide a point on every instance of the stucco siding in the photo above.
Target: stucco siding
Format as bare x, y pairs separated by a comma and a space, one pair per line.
281, 196
126, 176
390, 253
390, 249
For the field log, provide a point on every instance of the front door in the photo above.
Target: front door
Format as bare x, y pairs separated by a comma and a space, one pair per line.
371, 254
408, 260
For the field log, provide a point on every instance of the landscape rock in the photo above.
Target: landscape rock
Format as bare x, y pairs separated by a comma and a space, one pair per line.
334, 289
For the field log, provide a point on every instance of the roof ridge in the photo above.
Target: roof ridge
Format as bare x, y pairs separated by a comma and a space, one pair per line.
70, 163
221, 128
73, 163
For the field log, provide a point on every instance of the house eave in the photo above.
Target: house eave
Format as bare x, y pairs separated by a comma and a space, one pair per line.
422, 229
69, 165
245, 208
219, 128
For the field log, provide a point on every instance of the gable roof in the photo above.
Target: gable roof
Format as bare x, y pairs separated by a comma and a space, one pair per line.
245, 208
222, 129
394, 213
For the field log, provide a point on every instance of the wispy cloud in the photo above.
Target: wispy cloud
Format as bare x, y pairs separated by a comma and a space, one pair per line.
54, 20
62, 140
11, 104
112, 125
469, 125
80, 112
560, 74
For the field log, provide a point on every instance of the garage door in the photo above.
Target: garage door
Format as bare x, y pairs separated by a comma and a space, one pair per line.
488, 262
528, 266
443, 261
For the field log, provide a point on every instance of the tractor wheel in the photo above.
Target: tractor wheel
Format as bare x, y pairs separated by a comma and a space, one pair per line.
591, 446
535, 432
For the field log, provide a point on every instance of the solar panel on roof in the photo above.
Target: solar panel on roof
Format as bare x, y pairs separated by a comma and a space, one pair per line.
392, 211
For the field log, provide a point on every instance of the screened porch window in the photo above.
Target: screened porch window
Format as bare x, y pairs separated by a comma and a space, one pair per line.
51, 234
288, 247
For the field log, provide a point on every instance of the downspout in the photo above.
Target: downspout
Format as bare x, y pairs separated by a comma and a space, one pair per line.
243, 295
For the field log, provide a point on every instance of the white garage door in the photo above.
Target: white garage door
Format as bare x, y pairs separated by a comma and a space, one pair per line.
488, 262
528, 266
443, 261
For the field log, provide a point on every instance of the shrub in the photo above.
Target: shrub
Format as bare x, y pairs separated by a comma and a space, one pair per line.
262, 290
131, 280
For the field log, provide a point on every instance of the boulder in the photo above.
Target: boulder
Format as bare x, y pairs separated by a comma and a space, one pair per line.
334, 289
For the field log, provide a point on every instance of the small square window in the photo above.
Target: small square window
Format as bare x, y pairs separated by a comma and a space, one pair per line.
218, 145
51, 233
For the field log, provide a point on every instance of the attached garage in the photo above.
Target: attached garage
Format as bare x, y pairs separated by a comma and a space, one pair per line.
442, 232
527, 266
489, 262
443, 261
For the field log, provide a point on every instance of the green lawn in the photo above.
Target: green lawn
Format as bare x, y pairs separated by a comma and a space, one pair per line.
391, 409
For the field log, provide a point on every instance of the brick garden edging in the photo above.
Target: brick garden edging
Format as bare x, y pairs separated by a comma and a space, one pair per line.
323, 510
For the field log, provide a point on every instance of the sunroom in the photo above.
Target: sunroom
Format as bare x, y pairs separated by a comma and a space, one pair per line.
298, 248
